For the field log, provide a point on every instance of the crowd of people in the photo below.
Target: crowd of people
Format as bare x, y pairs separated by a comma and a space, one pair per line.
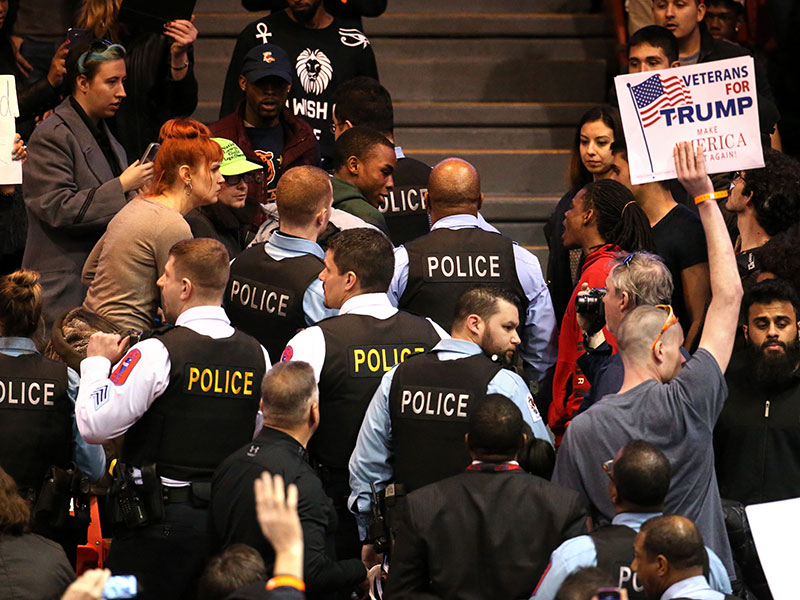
289, 360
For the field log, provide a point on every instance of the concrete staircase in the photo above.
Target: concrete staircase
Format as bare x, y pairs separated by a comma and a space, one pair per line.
500, 83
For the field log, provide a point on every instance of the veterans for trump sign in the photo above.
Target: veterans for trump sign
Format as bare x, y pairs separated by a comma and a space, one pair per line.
712, 105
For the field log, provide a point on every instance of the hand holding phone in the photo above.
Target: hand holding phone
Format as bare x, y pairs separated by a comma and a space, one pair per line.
121, 586
150, 154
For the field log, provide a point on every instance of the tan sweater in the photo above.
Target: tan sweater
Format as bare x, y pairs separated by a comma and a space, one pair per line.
122, 269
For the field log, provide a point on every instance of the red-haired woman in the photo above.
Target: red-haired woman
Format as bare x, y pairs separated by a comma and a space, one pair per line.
123, 267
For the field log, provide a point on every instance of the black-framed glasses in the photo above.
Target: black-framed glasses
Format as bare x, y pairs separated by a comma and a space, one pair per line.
248, 178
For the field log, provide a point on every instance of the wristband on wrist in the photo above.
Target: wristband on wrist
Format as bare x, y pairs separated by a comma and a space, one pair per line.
286, 581
710, 196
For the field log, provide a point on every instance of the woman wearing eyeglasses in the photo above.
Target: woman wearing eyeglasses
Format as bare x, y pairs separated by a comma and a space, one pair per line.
221, 220
123, 268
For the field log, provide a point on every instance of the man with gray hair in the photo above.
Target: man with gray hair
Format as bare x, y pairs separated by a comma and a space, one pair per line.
290, 404
636, 279
672, 405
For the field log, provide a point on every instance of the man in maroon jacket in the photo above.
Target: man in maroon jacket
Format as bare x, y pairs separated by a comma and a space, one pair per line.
266, 131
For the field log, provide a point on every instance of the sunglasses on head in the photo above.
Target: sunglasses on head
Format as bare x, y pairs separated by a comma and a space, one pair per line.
671, 320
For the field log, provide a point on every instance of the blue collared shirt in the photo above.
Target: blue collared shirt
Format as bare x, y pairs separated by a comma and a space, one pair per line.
369, 462
282, 246
695, 588
539, 331
90, 458
580, 552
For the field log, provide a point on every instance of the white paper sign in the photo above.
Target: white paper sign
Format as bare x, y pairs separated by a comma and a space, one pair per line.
10, 170
776, 532
712, 105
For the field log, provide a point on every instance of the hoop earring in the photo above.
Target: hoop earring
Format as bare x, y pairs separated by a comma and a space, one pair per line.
187, 189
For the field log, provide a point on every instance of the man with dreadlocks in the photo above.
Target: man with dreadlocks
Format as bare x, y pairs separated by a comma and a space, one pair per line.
603, 220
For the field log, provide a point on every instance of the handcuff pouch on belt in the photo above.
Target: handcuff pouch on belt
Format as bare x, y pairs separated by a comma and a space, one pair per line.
132, 504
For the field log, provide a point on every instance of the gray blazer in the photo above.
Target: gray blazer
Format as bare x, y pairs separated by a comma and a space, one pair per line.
70, 196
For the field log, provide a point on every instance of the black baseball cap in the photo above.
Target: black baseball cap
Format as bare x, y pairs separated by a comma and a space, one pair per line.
267, 60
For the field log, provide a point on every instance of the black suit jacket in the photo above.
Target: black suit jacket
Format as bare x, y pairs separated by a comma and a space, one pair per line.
481, 535
233, 517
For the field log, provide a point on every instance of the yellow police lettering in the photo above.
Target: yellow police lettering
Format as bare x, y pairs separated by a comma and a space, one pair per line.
234, 388
217, 389
194, 377
360, 358
203, 385
373, 353
248, 382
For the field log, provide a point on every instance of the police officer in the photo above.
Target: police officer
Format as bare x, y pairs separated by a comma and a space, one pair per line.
185, 399
414, 428
639, 478
37, 420
433, 271
274, 290
351, 352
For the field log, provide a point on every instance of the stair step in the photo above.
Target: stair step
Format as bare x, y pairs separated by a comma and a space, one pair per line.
519, 49
471, 114
215, 22
525, 234
454, 6
503, 208
487, 6
492, 81
503, 138
506, 24
510, 172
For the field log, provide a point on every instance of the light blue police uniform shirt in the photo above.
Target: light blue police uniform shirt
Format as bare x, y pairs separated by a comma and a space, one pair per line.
282, 246
695, 588
539, 331
369, 462
90, 458
581, 552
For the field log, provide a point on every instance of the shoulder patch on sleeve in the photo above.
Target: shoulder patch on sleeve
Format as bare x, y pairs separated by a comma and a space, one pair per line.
100, 396
288, 352
124, 368
534, 409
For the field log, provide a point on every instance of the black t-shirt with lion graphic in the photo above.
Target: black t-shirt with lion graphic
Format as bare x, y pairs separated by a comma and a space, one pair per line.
323, 59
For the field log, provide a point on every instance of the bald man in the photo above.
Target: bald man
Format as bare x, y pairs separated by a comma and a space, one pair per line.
669, 559
432, 272
273, 290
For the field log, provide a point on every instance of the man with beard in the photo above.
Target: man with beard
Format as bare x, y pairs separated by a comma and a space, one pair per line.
324, 52
757, 436
413, 432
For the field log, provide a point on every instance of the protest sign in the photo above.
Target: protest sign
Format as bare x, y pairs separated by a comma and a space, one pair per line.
712, 105
776, 532
10, 170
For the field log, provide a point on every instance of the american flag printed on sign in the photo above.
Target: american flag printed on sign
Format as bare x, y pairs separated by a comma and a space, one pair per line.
656, 92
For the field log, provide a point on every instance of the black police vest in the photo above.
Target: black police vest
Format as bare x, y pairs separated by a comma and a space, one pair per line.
35, 418
404, 208
264, 297
208, 409
359, 350
429, 404
447, 262
614, 546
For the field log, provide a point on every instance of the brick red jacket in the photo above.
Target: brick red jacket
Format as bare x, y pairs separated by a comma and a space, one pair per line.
300, 146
